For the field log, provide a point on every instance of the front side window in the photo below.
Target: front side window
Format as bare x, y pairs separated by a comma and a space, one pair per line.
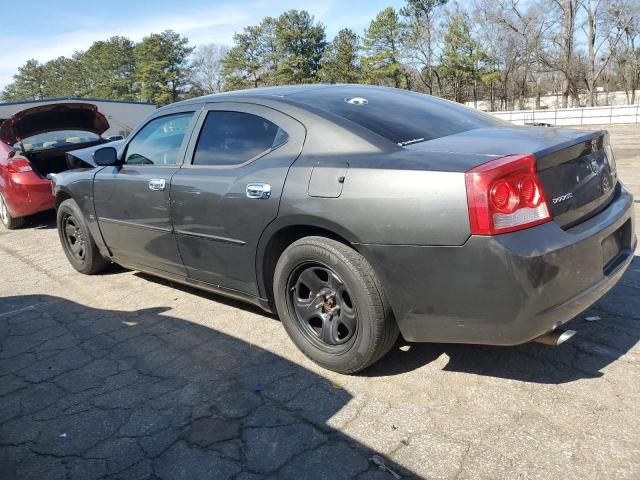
159, 141
232, 138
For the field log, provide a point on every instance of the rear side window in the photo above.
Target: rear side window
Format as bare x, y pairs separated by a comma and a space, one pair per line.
232, 138
398, 115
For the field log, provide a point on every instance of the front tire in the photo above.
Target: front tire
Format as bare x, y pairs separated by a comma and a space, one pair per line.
332, 305
77, 242
10, 223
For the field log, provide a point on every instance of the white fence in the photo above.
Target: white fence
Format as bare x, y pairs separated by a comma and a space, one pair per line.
574, 116
601, 99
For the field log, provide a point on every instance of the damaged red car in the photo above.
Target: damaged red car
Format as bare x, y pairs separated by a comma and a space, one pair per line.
33, 146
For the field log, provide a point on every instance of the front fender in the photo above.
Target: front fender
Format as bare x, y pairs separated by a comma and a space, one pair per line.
78, 184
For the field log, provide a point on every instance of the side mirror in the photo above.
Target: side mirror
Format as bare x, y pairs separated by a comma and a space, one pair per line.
106, 157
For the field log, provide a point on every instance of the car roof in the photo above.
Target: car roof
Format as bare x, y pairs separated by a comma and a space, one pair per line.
394, 115
287, 91
274, 92
281, 91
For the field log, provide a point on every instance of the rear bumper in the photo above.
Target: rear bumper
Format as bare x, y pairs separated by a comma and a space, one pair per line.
27, 193
506, 289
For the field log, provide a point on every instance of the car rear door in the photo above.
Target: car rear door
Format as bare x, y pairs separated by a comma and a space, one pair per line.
132, 201
229, 189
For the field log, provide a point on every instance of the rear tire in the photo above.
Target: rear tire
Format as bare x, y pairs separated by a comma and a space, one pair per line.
10, 223
332, 305
76, 239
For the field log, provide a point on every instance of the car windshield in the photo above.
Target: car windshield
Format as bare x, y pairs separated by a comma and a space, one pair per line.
57, 139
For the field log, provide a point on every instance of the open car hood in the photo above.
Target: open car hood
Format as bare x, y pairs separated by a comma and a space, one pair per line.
52, 117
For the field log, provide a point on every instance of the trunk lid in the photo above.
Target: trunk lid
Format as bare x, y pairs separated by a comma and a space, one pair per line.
579, 180
52, 117
576, 168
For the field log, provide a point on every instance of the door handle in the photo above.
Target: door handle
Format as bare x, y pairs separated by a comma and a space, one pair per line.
258, 190
157, 184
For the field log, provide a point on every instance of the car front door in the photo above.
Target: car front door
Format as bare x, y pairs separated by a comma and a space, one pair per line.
132, 201
229, 189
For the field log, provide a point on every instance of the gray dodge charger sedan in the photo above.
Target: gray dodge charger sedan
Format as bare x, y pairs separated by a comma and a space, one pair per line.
358, 214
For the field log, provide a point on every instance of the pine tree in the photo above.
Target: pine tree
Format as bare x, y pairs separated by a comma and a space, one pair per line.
109, 67
382, 49
161, 66
278, 51
462, 59
28, 84
253, 58
341, 61
300, 45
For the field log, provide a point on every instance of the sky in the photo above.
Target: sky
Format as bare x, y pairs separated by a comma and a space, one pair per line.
48, 29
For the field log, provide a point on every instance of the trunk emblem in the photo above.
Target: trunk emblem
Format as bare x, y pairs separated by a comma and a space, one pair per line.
606, 186
594, 165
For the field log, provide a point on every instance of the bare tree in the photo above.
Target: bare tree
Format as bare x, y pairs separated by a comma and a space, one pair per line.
206, 68
628, 57
500, 53
420, 41
513, 30
558, 50
605, 24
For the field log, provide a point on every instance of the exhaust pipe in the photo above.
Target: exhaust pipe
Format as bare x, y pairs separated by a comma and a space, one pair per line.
555, 337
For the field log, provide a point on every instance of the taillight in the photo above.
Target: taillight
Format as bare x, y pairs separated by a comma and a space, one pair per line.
505, 195
19, 165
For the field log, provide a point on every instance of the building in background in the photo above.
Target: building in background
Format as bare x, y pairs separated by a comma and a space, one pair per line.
123, 116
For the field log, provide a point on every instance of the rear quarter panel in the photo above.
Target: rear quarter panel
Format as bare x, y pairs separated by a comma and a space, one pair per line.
384, 206
390, 195
393, 197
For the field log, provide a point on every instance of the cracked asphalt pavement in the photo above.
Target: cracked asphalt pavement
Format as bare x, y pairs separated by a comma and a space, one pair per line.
125, 376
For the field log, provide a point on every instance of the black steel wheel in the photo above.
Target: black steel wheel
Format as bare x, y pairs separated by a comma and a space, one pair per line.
73, 237
332, 304
77, 242
322, 305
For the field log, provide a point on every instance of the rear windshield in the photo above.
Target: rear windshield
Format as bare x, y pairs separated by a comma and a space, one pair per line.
55, 139
398, 115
